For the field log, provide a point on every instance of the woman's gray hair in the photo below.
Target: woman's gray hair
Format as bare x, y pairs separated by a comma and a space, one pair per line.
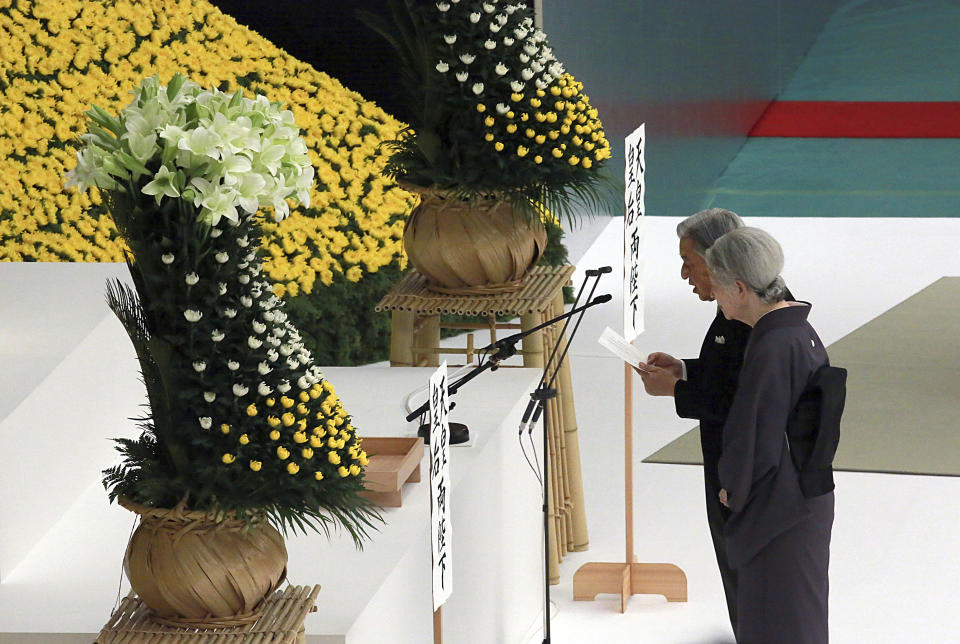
707, 226
752, 256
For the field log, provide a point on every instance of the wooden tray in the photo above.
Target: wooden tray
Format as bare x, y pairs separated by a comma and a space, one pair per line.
393, 462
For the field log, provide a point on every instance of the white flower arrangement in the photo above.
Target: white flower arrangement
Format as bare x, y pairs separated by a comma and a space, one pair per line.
226, 153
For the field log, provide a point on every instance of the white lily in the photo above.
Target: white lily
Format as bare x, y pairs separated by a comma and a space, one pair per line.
263, 389
240, 390
263, 368
501, 69
254, 343
283, 387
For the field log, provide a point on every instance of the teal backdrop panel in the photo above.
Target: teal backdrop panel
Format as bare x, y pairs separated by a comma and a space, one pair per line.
698, 72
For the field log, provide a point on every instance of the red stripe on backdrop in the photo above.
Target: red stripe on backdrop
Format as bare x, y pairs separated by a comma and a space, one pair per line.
855, 119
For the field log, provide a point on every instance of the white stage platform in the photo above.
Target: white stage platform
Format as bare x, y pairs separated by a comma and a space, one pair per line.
63, 544
894, 571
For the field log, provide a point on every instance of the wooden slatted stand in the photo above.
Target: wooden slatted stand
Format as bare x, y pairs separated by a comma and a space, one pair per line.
282, 623
415, 342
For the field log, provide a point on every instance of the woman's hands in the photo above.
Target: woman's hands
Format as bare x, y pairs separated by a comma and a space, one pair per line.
666, 362
723, 497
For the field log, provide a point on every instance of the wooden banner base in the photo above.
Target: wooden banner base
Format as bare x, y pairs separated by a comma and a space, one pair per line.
624, 579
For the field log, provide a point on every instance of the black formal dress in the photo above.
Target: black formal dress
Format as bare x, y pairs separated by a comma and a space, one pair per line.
777, 540
706, 395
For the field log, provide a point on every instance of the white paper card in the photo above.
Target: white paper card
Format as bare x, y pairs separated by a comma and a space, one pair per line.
618, 346
440, 525
633, 230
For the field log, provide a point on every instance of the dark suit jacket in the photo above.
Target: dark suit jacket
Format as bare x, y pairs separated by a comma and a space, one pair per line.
762, 485
707, 393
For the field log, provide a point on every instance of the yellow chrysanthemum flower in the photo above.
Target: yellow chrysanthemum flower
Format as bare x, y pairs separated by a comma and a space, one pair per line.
293, 468
255, 465
282, 452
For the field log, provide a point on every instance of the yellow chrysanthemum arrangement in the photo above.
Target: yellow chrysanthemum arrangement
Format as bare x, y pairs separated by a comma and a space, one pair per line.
240, 417
57, 57
492, 110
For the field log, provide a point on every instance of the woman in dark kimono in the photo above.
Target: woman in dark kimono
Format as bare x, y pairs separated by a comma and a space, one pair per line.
778, 541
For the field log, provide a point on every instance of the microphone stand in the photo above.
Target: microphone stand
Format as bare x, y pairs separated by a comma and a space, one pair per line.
503, 349
539, 402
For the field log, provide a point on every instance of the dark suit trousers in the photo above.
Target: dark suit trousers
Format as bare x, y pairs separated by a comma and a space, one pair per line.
782, 592
716, 516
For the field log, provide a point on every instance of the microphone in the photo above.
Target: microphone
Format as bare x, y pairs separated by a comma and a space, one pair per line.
526, 414
596, 272
600, 299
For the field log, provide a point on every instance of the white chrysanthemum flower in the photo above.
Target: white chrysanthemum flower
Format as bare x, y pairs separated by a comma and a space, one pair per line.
206, 422
517, 86
466, 59
502, 109
283, 387
221, 288
536, 66
490, 45
243, 242
167, 258
475, 17
293, 363
217, 335
547, 52
267, 316
450, 39
263, 368
240, 390
478, 88
259, 327
510, 8
494, 27
526, 74
530, 49
508, 41
520, 33
222, 257
233, 365
443, 6
286, 350
246, 301
281, 316
541, 84
191, 279
528, 21
272, 355
547, 78
209, 396
279, 331
199, 366
304, 358
462, 76
192, 316
254, 343
229, 313
303, 383
443, 67
556, 68
501, 69
273, 341
215, 232
524, 58
252, 255
243, 265
244, 279
489, 8
263, 389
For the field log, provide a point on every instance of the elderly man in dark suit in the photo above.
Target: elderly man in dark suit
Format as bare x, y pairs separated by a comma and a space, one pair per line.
703, 388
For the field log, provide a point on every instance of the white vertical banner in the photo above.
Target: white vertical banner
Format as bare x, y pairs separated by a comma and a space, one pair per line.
440, 525
633, 232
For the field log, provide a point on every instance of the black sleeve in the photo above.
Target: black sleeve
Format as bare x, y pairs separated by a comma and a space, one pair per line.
688, 394
754, 432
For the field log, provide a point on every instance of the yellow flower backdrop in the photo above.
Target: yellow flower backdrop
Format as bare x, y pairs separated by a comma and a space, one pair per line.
59, 57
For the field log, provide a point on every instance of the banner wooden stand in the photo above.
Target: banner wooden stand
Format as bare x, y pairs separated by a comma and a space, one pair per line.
629, 578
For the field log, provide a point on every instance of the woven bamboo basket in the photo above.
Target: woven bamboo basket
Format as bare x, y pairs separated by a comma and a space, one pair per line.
471, 247
201, 570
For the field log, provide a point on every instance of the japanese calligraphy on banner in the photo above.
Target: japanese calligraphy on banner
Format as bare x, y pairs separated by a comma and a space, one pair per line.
440, 526
633, 231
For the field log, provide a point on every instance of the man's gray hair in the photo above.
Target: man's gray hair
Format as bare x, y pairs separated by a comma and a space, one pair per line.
752, 256
707, 226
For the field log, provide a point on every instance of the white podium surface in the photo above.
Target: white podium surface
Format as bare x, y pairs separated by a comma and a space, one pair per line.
64, 573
